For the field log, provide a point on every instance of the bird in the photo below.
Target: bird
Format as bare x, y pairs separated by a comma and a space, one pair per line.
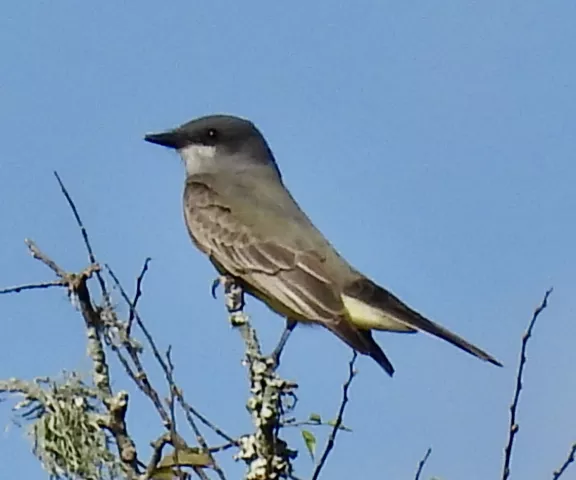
240, 214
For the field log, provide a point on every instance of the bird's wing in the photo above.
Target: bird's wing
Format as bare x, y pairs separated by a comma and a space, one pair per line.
290, 280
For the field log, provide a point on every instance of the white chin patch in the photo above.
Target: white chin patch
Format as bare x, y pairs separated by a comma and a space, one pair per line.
198, 158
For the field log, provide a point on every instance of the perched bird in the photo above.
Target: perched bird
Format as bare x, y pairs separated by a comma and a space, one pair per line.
239, 213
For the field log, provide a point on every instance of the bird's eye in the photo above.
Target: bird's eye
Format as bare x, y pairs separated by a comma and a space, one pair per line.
212, 134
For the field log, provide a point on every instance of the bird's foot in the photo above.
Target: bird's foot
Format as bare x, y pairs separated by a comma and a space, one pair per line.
277, 353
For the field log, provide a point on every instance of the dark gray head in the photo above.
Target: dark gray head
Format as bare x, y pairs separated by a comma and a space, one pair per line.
217, 142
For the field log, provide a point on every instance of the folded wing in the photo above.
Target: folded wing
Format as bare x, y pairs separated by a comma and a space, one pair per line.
291, 281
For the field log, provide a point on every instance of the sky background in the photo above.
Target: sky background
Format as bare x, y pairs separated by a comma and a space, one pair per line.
432, 142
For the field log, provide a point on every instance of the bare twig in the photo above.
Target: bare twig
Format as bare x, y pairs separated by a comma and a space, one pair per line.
422, 463
293, 423
332, 438
137, 295
145, 386
168, 371
33, 286
222, 448
201, 474
139, 321
157, 446
98, 320
38, 255
141, 378
176, 393
513, 424
218, 431
115, 404
174, 439
141, 375
77, 286
84, 233
571, 455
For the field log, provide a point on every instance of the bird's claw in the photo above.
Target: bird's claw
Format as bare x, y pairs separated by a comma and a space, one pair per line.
215, 284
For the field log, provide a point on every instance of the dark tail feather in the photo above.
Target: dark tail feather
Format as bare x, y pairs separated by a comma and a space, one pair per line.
371, 293
361, 341
418, 321
378, 354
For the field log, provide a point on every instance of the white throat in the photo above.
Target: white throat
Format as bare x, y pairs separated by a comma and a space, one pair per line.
198, 159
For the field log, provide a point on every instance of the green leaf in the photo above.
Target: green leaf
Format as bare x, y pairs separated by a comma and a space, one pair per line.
310, 441
314, 417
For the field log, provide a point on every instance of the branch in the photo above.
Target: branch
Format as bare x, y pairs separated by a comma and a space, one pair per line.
115, 404
513, 425
66, 427
266, 455
188, 408
422, 463
141, 378
38, 255
174, 437
558, 473
104, 328
158, 445
137, 295
84, 233
337, 424
33, 286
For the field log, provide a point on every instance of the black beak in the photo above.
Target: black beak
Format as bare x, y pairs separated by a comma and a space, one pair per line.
170, 139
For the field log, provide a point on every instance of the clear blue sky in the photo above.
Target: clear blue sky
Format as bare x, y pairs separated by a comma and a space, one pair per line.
433, 143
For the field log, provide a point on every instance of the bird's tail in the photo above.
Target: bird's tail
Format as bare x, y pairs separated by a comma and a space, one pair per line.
407, 319
360, 340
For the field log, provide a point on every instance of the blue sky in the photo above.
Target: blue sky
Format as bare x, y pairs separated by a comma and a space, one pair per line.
433, 143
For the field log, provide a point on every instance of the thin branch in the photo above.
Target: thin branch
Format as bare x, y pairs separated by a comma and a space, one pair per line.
176, 393
571, 455
148, 390
39, 255
139, 321
157, 446
84, 233
174, 438
141, 378
292, 423
115, 404
77, 286
422, 463
201, 474
33, 286
137, 295
513, 424
189, 408
222, 448
332, 438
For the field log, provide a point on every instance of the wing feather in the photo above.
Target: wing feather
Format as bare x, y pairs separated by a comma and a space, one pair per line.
265, 263
291, 280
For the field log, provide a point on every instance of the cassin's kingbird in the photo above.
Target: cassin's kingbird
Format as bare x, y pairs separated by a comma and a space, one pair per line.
240, 214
